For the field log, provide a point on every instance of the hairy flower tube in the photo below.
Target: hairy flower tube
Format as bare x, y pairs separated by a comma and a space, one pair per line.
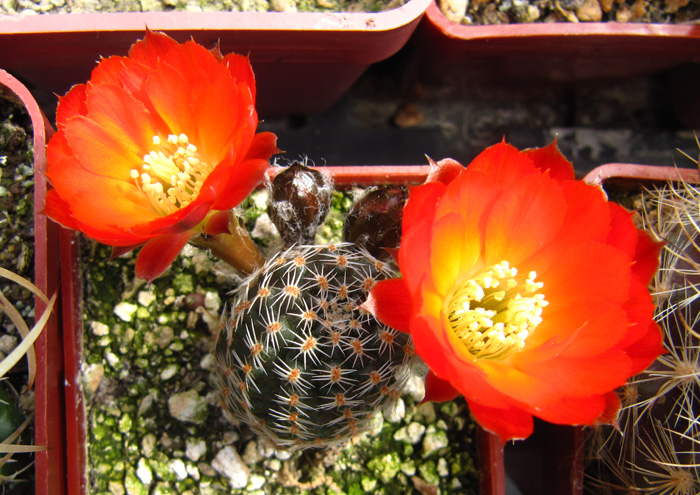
523, 289
155, 146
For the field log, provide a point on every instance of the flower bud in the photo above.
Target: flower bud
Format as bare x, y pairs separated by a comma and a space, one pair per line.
299, 201
374, 220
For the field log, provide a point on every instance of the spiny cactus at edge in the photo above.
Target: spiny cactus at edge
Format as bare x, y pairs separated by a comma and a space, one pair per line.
657, 450
299, 360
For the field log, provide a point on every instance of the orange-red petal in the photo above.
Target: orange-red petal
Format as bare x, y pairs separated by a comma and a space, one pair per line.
508, 423
157, 254
414, 255
438, 390
531, 211
550, 160
152, 48
390, 302
503, 163
444, 171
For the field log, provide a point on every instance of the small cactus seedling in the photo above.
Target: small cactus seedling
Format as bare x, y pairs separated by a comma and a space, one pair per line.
299, 360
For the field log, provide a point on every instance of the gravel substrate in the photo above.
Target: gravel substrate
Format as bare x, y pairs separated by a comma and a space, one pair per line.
31, 7
521, 11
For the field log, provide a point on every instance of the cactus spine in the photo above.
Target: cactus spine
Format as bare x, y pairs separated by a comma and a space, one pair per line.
299, 360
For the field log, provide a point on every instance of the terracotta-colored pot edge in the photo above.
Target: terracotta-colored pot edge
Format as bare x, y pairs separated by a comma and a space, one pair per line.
640, 173
49, 466
240, 21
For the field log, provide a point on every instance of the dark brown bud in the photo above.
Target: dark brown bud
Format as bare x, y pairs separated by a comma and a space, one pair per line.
300, 199
374, 220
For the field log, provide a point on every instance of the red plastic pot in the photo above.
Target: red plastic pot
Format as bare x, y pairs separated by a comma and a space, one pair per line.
303, 61
556, 52
549, 462
490, 450
48, 387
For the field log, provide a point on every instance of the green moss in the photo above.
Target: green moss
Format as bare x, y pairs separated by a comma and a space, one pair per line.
385, 467
133, 485
428, 471
183, 283
125, 423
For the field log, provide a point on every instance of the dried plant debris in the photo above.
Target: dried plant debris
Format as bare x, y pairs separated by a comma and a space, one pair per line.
83, 6
523, 11
17, 202
154, 420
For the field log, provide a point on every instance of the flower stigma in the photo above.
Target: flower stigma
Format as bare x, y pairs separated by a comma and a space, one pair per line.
493, 313
172, 174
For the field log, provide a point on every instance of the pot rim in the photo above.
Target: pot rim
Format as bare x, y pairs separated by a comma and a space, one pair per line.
229, 21
640, 173
555, 29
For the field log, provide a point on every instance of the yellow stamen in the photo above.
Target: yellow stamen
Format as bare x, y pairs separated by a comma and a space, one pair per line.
172, 174
493, 313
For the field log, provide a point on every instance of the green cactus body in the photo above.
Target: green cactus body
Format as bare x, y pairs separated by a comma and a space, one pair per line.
299, 360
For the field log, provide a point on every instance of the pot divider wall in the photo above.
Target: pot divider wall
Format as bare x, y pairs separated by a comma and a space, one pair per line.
49, 419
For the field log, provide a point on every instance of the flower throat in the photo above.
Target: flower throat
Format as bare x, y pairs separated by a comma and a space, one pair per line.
172, 174
493, 314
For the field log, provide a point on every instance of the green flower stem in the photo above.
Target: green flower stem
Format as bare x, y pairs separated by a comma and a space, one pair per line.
235, 247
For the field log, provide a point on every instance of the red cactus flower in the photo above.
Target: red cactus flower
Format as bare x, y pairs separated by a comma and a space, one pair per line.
153, 144
524, 290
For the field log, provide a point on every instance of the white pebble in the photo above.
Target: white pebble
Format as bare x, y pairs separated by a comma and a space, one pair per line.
212, 301
112, 359
99, 329
93, 375
143, 472
256, 482
188, 406
195, 449
228, 463
8, 343
251, 453
169, 372
146, 297
178, 467
397, 412
193, 472
125, 311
